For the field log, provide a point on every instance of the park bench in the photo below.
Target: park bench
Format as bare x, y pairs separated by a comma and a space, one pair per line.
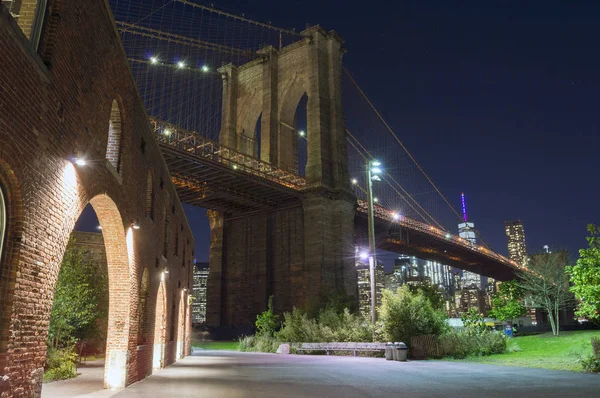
350, 347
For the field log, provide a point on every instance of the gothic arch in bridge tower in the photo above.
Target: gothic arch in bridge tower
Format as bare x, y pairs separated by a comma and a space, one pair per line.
272, 86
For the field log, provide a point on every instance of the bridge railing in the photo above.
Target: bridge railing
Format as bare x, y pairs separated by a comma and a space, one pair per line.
385, 214
193, 143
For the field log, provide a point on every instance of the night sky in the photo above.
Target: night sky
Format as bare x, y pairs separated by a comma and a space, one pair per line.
498, 99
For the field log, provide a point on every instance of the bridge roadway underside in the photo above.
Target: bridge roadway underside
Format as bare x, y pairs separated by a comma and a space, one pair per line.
210, 184
411, 242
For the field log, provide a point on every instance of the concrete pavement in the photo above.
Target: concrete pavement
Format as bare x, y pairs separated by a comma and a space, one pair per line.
234, 374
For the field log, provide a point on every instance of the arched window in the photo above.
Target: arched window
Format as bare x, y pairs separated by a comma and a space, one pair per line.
113, 148
2, 220
150, 196
30, 15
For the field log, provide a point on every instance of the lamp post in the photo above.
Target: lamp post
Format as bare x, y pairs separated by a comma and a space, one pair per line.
372, 175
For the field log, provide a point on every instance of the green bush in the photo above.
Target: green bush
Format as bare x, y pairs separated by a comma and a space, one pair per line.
460, 344
591, 364
404, 314
60, 364
299, 327
267, 322
258, 343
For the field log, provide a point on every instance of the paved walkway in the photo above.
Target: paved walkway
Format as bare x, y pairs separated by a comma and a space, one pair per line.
233, 374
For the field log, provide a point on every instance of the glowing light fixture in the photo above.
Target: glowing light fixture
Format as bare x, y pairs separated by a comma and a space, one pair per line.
80, 161
99, 227
180, 64
205, 68
302, 133
167, 132
376, 170
375, 200
153, 60
354, 181
375, 163
447, 236
364, 255
235, 166
395, 216
135, 224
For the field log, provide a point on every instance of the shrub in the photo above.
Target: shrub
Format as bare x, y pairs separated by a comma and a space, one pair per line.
267, 322
460, 344
60, 364
258, 343
403, 315
298, 327
591, 363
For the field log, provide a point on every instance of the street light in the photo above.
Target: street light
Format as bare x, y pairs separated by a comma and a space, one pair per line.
373, 171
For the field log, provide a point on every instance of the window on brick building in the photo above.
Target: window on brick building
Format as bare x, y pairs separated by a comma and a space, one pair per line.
30, 16
2, 221
150, 196
113, 148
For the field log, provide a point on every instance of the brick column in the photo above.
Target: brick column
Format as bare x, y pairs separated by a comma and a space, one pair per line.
214, 285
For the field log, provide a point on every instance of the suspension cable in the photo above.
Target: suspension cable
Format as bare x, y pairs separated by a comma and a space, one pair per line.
400, 142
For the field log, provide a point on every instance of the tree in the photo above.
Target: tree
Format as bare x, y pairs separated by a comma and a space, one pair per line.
431, 292
585, 277
507, 302
546, 284
79, 299
404, 315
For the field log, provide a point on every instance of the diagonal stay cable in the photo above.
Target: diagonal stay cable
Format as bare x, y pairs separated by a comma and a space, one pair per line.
400, 142
397, 183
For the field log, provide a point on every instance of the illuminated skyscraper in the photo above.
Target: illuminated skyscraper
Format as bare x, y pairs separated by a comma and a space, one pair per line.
516, 241
364, 284
199, 292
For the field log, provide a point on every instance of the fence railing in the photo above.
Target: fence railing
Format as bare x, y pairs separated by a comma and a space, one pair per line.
197, 145
385, 214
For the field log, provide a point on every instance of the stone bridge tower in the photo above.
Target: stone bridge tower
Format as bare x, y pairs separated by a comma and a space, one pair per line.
304, 252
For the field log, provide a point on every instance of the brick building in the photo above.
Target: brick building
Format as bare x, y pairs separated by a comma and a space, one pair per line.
66, 92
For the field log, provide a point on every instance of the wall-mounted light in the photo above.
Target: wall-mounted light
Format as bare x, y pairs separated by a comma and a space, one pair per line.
77, 161
135, 224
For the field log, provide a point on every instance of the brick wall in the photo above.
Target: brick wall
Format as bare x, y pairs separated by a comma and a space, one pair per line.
54, 106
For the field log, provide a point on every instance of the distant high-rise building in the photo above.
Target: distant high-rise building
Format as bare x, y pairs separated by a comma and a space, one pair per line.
364, 285
200, 276
516, 241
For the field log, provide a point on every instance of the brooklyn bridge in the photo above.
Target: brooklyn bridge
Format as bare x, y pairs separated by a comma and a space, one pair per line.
135, 108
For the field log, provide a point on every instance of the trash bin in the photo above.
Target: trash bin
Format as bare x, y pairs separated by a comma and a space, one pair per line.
389, 351
401, 352
395, 351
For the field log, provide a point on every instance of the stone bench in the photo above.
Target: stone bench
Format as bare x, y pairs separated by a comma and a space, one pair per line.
350, 347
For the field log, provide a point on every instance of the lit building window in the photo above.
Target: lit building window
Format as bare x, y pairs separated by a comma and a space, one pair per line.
30, 15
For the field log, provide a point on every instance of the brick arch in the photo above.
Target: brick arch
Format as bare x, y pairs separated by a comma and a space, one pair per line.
181, 329
160, 326
9, 257
119, 264
114, 144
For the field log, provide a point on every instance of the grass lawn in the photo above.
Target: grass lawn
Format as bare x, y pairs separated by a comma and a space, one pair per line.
217, 345
545, 351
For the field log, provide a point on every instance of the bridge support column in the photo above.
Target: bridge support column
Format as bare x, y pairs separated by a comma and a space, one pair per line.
328, 249
215, 284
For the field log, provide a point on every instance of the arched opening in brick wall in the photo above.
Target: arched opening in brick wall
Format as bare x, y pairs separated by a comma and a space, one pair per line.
2, 221
113, 147
116, 245
143, 307
160, 326
181, 325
